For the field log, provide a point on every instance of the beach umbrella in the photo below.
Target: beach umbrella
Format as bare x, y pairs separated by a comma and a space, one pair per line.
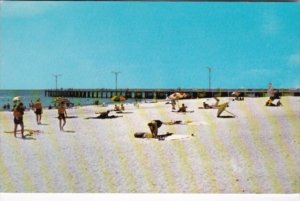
177, 96
222, 108
16, 98
118, 98
236, 93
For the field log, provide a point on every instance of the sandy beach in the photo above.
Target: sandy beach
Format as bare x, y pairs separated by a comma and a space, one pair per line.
256, 152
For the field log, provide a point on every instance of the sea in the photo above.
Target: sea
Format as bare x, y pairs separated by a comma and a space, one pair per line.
30, 96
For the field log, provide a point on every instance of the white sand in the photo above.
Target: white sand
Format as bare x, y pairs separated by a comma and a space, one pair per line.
256, 152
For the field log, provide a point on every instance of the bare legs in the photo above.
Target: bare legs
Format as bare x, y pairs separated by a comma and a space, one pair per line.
22, 130
38, 118
62, 123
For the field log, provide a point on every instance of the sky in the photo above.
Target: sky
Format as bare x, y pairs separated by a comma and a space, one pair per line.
151, 44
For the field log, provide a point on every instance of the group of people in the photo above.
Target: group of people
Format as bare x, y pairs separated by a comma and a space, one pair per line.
18, 112
119, 108
6, 106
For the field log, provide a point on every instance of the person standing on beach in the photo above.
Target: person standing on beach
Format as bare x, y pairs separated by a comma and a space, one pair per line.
18, 113
62, 114
38, 110
173, 103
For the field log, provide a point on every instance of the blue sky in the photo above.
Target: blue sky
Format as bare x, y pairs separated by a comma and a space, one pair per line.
152, 44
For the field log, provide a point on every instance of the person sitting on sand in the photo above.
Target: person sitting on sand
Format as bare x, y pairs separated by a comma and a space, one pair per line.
117, 108
38, 110
172, 122
182, 108
122, 107
177, 122
18, 118
62, 114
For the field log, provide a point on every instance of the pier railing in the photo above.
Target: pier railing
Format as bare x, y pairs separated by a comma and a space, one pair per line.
163, 93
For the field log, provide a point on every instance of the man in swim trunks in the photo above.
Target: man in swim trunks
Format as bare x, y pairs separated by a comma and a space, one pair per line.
62, 114
38, 110
18, 119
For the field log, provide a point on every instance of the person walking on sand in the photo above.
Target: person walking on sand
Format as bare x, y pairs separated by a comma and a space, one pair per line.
18, 113
62, 114
38, 110
173, 103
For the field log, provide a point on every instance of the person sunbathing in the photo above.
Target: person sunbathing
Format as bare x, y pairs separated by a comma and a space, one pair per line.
176, 122
104, 115
207, 105
275, 102
150, 135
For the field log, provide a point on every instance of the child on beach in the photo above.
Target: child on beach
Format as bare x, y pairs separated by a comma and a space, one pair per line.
18, 113
38, 110
62, 114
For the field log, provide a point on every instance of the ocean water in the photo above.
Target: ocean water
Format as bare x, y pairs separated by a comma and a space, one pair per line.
28, 96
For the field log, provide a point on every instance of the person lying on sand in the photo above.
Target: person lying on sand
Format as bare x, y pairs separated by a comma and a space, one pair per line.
150, 135
104, 115
30, 131
275, 102
173, 122
117, 108
207, 105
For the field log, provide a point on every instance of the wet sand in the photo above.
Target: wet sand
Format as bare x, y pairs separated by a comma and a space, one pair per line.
256, 152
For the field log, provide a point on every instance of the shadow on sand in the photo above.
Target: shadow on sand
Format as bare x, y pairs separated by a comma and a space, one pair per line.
226, 116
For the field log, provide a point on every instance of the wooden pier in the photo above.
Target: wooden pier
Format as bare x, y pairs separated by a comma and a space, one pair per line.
162, 93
